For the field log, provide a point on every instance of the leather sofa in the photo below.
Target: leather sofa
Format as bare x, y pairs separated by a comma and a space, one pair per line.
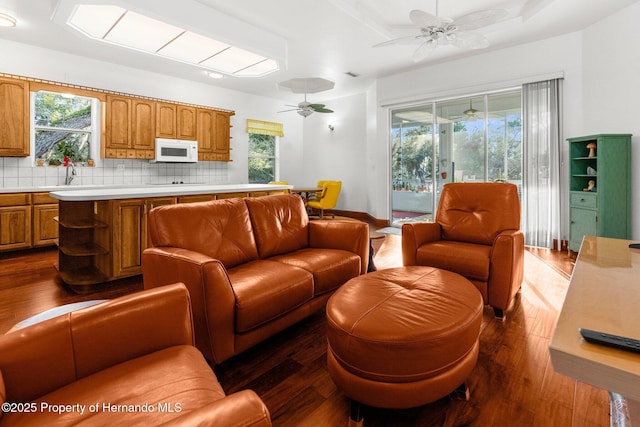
477, 234
129, 361
253, 266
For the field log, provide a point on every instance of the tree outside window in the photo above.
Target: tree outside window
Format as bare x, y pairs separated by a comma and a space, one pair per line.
63, 127
262, 158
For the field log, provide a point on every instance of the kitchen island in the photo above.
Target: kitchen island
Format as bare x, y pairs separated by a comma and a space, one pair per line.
103, 231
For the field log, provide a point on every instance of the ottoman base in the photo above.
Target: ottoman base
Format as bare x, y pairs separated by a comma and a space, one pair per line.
401, 395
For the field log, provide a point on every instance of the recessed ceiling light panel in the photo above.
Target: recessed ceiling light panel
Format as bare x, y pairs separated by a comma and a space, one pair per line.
139, 32
192, 48
117, 25
95, 20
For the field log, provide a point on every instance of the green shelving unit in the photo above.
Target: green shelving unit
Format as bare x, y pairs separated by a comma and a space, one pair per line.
605, 209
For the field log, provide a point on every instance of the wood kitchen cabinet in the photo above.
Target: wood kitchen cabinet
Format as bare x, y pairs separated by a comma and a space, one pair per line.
15, 221
213, 135
130, 128
45, 227
118, 122
129, 221
175, 121
14, 118
605, 209
143, 125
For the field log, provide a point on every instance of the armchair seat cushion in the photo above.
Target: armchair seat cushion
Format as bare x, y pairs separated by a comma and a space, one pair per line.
265, 290
469, 259
330, 267
176, 377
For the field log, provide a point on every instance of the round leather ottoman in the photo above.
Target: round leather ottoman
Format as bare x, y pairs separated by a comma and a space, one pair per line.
403, 337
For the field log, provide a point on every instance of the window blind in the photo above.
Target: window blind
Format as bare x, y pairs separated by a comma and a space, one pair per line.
264, 128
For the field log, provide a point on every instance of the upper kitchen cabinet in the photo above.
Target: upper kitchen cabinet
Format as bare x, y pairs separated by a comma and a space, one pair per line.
118, 122
187, 120
175, 121
130, 128
14, 118
143, 124
213, 135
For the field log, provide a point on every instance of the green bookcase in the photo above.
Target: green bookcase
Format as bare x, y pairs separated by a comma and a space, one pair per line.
605, 210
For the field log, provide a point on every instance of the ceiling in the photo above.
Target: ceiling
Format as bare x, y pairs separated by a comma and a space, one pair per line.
323, 38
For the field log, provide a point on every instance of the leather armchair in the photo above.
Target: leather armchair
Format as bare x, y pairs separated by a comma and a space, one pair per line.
133, 350
477, 234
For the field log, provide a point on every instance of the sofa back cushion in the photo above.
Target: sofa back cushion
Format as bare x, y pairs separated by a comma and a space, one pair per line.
478, 212
220, 229
279, 223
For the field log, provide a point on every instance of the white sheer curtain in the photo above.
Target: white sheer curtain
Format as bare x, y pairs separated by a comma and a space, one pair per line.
541, 150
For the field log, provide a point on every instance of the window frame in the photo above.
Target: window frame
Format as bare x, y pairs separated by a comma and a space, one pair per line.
94, 132
275, 157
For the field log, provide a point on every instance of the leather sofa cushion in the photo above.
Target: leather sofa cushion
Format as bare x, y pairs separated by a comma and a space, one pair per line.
176, 375
470, 260
266, 290
330, 267
220, 229
478, 212
279, 223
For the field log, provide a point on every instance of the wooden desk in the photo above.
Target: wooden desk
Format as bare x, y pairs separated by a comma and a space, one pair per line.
603, 295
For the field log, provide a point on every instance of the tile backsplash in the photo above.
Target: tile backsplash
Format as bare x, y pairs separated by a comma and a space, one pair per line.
21, 173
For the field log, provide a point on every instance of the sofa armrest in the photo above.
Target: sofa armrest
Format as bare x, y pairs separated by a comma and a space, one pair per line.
241, 409
56, 352
352, 236
415, 235
212, 297
506, 270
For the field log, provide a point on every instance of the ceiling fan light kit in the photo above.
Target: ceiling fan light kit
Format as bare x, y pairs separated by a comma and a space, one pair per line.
436, 31
307, 85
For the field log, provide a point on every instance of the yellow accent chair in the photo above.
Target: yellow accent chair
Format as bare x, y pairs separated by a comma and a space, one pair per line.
281, 183
327, 198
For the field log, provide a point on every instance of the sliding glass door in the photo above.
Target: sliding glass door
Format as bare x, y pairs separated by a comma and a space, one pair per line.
474, 139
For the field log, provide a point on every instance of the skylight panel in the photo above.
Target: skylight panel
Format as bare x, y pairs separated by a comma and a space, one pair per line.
192, 48
95, 20
119, 26
143, 33
260, 69
232, 60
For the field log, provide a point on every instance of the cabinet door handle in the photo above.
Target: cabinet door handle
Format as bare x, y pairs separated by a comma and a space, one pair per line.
582, 200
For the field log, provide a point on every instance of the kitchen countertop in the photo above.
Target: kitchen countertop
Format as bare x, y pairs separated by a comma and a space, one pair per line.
94, 192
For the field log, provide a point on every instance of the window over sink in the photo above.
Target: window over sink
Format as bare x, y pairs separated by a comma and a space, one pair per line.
64, 125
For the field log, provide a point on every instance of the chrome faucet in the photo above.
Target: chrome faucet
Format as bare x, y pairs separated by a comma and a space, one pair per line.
68, 178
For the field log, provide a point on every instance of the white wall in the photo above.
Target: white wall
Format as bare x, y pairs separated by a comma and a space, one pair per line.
340, 154
611, 87
30, 61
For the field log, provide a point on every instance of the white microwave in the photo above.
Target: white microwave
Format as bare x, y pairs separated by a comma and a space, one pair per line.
176, 151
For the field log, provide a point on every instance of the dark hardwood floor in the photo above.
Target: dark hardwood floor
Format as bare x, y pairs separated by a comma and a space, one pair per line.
513, 384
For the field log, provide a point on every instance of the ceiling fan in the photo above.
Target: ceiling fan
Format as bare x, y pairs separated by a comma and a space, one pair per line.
306, 108
436, 31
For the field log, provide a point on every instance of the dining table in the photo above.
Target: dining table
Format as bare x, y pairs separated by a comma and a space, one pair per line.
306, 192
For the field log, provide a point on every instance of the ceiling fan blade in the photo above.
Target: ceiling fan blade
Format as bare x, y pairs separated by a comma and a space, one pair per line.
425, 19
285, 111
402, 40
323, 110
467, 40
424, 50
316, 106
482, 18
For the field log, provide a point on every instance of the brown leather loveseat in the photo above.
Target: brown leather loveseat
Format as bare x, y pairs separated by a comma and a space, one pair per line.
477, 234
129, 361
253, 266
